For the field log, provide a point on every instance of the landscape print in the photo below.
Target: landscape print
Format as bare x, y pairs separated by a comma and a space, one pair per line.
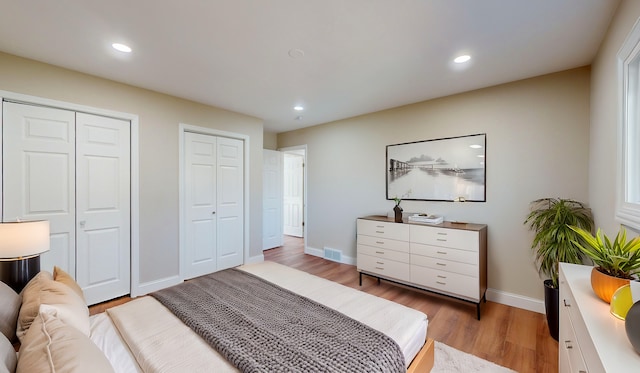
449, 169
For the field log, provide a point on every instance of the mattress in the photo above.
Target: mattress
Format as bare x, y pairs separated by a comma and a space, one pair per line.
141, 326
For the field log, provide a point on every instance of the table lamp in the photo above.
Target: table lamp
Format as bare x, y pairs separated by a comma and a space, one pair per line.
21, 244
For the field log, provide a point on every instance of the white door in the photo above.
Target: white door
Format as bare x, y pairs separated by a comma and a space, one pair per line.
200, 204
103, 207
38, 174
293, 199
271, 199
230, 202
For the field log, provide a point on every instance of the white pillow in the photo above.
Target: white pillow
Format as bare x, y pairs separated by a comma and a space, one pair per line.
52, 346
8, 357
42, 289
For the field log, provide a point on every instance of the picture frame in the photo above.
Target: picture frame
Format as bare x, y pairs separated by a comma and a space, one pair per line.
446, 169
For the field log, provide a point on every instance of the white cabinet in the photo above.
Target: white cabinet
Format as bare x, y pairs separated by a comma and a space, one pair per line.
591, 340
449, 259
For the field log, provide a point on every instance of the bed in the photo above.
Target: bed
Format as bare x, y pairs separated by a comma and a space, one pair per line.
144, 336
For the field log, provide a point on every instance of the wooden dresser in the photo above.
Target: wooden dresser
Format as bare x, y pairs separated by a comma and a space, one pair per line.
448, 258
591, 340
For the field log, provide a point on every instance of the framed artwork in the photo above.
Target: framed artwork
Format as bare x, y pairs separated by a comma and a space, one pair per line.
448, 169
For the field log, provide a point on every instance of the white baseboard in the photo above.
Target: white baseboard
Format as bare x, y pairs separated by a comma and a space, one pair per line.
515, 300
255, 259
320, 253
151, 286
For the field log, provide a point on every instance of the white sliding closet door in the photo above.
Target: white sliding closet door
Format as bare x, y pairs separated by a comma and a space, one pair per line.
103, 206
38, 170
213, 203
200, 204
230, 202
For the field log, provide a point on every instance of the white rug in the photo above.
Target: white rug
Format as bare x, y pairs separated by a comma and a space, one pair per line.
450, 360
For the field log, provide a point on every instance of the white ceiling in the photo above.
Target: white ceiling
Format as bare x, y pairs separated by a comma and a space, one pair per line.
359, 56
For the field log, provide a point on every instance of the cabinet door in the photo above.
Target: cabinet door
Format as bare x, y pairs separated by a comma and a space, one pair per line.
103, 207
38, 175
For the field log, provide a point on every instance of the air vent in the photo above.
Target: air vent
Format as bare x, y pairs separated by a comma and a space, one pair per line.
333, 254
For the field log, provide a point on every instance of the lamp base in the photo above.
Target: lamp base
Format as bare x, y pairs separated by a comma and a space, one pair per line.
17, 273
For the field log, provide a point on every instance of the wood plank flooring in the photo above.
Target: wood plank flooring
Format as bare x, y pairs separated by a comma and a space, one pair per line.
508, 336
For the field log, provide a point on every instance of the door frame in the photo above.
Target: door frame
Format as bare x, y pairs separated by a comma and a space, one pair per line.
135, 288
305, 185
182, 128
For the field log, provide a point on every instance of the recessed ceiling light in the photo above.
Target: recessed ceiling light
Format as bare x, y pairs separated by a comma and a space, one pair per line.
298, 108
462, 59
121, 47
475, 146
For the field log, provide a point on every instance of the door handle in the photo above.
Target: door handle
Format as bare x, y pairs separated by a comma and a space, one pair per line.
82, 223
213, 213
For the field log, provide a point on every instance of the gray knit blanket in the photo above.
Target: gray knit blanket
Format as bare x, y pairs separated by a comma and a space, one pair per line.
261, 327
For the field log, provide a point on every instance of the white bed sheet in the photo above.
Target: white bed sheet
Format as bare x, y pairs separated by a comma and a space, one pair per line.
406, 326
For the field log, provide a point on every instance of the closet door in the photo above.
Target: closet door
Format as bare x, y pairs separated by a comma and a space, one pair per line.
200, 186
103, 206
230, 202
38, 174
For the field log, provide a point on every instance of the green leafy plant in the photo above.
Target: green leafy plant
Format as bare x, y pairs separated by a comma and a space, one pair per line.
397, 200
617, 258
550, 219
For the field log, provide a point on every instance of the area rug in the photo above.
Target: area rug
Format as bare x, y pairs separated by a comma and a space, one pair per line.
450, 360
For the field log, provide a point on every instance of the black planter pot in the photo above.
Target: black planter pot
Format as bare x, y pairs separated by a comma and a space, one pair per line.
551, 307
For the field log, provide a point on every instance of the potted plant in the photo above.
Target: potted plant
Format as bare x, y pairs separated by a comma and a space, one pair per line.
398, 210
550, 219
616, 261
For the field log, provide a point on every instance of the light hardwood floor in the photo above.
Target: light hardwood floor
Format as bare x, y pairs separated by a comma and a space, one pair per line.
508, 336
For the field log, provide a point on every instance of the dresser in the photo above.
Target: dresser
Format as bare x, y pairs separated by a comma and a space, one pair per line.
591, 340
448, 258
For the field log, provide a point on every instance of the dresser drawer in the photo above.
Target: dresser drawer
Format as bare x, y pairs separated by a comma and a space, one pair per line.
446, 253
454, 238
394, 231
570, 354
377, 252
452, 283
383, 267
384, 243
445, 265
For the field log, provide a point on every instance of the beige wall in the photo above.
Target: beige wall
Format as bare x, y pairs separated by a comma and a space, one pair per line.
270, 140
537, 146
159, 117
604, 118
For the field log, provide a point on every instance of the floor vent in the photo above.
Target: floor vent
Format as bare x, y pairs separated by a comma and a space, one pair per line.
333, 254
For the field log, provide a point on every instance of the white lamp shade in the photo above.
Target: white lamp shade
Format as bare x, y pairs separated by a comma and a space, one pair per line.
23, 239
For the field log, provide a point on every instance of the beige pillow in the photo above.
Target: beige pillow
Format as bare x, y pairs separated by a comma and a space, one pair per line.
50, 345
9, 309
63, 277
8, 357
42, 289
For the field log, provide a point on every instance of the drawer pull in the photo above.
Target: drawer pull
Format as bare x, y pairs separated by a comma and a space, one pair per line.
441, 283
442, 252
565, 303
381, 263
441, 264
380, 242
442, 233
379, 226
381, 232
440, 276
382, 269
380, 252
442, 240
568, 345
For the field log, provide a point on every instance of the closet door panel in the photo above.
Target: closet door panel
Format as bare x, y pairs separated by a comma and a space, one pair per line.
39, 173
103, 207
200, 204
230, 209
